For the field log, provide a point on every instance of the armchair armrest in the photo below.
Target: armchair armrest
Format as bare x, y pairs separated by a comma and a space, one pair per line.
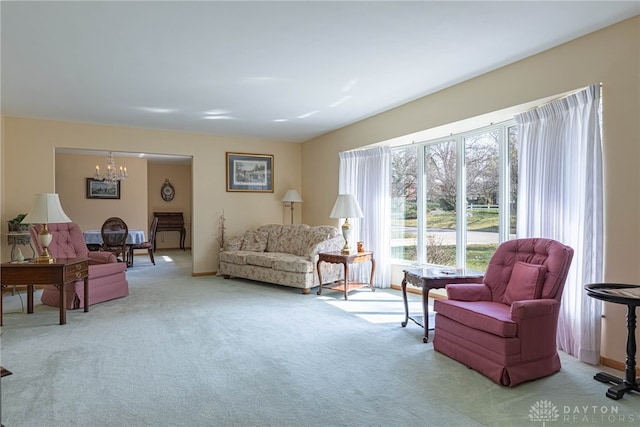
527, 309
102, 258
537, 325
468, 292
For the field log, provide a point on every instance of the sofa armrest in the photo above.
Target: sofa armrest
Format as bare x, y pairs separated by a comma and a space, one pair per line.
328, 245
102, 258
528, 309
468, 292
233, 243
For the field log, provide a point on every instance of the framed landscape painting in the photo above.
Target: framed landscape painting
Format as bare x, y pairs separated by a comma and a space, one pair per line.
98, 189
250, 172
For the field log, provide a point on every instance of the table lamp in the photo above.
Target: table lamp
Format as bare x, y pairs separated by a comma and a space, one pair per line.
46, 209
291, 197
346, 206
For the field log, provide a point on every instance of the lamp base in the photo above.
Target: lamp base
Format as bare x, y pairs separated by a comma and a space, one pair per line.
346, 233
44, 260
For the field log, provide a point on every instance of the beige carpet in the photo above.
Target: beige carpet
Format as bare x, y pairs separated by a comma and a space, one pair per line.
204, 351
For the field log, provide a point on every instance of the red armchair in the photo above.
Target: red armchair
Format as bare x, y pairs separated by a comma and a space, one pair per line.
505, 327
107, 277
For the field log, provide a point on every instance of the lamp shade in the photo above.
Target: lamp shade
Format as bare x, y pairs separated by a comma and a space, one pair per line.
46, 209
292, 196
346, 206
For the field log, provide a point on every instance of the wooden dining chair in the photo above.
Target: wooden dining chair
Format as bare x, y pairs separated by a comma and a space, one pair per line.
114, 233
148, 245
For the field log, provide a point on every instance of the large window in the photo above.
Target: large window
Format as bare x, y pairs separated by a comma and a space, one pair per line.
454, 199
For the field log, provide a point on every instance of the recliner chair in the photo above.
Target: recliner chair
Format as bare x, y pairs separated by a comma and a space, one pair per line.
505, 327
107, 277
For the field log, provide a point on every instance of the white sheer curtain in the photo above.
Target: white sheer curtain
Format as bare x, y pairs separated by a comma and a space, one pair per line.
560, 197
367, 175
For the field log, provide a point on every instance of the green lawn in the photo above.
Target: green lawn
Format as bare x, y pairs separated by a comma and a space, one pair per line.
477, 220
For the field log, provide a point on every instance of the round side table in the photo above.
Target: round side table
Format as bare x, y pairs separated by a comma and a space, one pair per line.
630, 296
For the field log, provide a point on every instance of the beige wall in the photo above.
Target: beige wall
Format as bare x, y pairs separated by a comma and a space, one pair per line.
71, 172
610, 56
29, 164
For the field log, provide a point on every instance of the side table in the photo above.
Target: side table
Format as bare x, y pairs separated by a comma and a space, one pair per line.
60, 273
338, 257
432, 278
630, 296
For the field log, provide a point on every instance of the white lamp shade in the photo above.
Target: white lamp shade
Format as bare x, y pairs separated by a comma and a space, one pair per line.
292, 196
346, 206
46, 209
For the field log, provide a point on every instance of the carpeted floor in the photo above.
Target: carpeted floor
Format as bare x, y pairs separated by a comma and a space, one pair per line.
204, 351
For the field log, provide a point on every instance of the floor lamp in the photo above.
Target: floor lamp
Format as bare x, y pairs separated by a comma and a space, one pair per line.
291, 197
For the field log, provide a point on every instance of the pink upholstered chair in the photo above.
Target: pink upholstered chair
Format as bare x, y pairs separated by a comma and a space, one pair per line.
505, 327
107, 277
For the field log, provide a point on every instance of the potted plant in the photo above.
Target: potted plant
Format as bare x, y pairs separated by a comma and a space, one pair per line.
16, 224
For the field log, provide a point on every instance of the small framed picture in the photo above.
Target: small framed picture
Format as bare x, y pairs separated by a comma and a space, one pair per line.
250, 172
98, 189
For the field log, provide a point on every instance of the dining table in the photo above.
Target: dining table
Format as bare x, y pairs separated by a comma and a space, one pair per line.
93, 239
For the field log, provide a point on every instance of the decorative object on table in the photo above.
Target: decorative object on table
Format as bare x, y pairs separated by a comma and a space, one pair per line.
250, 172
19, 256
17, 225
360, 246
167, 191
291, 197
346, 207
46, 209
112, 174
97, 189
114, 233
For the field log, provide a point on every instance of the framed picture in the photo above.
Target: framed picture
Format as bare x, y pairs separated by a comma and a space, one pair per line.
97, 189
250, 172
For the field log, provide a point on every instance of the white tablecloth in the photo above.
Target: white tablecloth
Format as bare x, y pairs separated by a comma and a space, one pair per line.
94, 237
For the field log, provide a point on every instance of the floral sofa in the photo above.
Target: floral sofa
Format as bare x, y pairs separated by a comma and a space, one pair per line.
282, 254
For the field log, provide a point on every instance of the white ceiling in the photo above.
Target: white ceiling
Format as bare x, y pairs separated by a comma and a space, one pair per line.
287, 71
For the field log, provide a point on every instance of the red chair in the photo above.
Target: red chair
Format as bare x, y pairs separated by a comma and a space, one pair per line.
107, 277
505, 327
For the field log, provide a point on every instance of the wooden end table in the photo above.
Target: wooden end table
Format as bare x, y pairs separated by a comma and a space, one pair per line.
433, 278
630, 296
338, 257
60, 273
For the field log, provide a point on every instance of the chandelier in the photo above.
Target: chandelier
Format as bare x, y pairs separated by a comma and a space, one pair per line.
112, 174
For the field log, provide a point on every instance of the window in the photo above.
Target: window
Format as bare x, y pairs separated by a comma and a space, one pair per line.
454, 199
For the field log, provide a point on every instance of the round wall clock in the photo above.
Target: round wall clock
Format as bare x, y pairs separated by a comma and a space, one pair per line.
167, 192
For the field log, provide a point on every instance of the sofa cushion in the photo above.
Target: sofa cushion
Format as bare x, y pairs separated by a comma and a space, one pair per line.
255, 241
232, 243
273, 230
235, 257
525, 282
489, 316
293, 264
262, 259
291, 238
